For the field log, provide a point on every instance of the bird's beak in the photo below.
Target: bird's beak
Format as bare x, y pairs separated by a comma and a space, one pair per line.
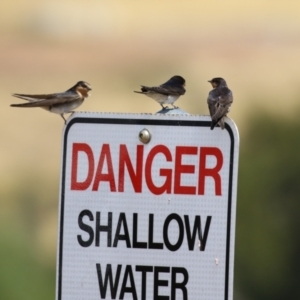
209, 81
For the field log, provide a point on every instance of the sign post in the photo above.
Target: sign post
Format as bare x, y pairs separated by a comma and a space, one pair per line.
147, 208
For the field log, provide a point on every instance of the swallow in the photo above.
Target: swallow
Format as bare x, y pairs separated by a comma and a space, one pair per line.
219, 101
58, 103
166, 93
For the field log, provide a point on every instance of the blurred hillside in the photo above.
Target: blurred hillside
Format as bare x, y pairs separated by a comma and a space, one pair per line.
267, 240
47, 46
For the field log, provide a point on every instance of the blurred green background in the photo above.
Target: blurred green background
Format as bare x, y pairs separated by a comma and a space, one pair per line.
47, 46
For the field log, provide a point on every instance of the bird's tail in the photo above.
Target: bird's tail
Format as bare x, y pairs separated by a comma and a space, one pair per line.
213, 124
28, 104
221, 122
29, 97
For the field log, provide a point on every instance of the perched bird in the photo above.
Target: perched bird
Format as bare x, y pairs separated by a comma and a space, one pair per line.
219, 101
58, 103
166, 93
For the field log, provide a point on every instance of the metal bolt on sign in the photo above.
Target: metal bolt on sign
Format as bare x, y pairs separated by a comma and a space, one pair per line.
145, 136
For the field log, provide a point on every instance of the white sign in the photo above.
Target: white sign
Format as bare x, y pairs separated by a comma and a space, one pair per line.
147, 220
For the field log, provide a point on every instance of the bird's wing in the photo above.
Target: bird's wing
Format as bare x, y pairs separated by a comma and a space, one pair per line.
212, 103
212, 109
46, 100
225, 96
159, 90
154, 89
225, 100
164, 89
173, 89
34, 97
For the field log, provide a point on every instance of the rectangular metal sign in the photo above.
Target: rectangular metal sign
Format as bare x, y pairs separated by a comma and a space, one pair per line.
150, 219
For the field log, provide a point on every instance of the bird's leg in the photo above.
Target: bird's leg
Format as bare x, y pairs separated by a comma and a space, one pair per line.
62, 115
174, 106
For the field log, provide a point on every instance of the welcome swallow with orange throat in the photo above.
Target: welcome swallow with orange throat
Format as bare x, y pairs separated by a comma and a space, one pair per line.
58, 103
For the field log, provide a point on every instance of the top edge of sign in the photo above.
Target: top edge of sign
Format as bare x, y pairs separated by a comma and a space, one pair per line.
159, 116
86, 117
